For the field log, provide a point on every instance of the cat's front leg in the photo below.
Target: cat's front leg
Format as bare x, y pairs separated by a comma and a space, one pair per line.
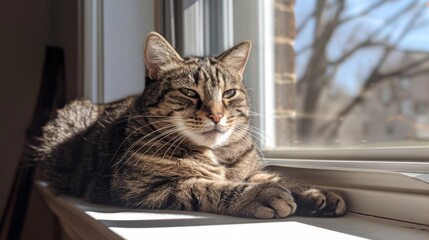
257, 200
314, 201
263, 200
311, 201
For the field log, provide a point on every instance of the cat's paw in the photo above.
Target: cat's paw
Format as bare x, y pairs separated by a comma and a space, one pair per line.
320, 203
267, 200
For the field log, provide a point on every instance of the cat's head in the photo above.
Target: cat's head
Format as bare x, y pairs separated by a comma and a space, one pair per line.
202, 98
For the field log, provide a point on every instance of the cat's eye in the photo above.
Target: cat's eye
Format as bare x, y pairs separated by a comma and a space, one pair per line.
229, 94
189, 93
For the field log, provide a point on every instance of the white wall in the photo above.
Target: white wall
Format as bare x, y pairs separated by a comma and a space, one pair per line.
126, 24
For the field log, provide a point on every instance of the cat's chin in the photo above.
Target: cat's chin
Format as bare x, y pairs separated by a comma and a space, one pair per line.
212, 138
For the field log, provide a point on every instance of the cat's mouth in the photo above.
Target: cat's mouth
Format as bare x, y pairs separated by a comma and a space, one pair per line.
212, 132
211, 136
216, 131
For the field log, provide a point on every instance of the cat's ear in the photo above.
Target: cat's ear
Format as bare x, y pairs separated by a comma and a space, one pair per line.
236, 57
158, 55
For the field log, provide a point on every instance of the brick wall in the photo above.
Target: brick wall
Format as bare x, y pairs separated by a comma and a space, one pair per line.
285, 79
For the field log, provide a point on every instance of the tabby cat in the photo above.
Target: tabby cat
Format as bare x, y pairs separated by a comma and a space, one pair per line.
183, 144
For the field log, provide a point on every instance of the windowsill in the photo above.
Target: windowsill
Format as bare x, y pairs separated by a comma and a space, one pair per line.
393, 190
82, 220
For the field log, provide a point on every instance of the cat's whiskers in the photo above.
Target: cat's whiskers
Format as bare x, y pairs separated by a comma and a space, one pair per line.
139, 140
245, 135
164, 144
259, 132
256, 132
172, 153
193, 125
128, 117
256, 114
178, 138
160, 136
261, 155
129, 135
163, 135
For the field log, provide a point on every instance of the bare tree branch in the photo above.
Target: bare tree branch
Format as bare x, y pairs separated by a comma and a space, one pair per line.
421, 24
304, 23
374, 78
405, 69
313, 15
335, 125
367, 43
369, 9
416, 73
349, 53
318, 15
370, 39
317, 65
303, 49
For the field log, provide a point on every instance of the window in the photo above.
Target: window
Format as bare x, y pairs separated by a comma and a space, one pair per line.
338, 88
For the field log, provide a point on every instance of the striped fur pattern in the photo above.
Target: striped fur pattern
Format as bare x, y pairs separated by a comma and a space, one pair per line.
184, 144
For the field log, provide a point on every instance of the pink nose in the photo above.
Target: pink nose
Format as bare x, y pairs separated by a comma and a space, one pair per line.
215, 117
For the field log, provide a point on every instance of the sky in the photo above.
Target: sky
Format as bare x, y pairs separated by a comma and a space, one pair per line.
352, 73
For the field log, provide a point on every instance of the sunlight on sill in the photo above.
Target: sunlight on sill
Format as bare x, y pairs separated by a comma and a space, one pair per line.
193, 225
132, 216
291, 229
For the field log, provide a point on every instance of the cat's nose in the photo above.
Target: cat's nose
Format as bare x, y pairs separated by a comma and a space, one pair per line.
215, 117
214, 111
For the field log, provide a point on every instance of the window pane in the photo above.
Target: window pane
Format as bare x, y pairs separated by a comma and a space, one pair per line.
362, 74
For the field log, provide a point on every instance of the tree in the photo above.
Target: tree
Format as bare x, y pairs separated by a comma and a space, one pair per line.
327, 20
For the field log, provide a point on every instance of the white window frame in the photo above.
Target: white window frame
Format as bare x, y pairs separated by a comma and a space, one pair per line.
107, 76
92, 67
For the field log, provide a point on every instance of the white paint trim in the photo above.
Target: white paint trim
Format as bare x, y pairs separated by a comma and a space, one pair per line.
253, 20
396, 166
193, 27
227, 33
420, 154
93, 68
267, 73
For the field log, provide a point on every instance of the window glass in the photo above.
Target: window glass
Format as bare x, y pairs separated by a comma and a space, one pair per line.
361, 74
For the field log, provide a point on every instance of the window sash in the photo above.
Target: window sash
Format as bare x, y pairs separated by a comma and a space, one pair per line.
418, 154
259, 67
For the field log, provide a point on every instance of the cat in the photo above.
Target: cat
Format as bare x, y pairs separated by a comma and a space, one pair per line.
183, 144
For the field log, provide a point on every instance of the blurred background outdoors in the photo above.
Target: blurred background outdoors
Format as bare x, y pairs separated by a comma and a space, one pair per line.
362, 73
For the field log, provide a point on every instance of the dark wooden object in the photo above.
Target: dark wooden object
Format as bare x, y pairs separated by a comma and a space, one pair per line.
51, 96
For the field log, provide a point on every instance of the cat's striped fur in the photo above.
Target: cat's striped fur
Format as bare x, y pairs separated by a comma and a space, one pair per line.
185, 143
